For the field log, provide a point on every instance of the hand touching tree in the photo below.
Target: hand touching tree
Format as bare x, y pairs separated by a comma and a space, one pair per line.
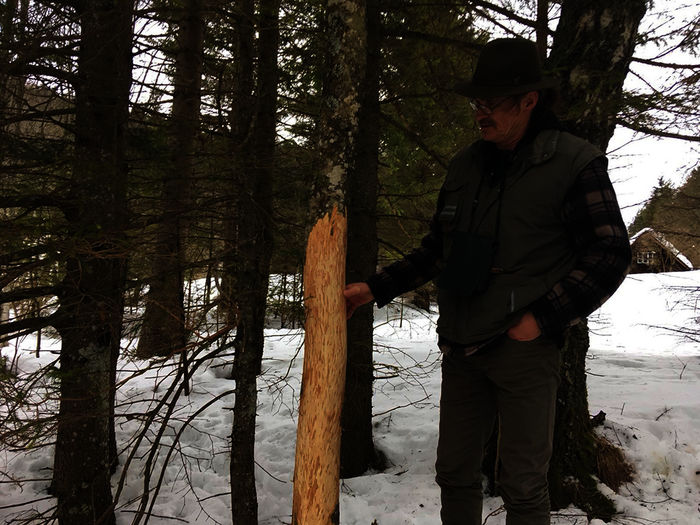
356, 295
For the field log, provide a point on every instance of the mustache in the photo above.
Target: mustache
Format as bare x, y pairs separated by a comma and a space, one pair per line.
485, 122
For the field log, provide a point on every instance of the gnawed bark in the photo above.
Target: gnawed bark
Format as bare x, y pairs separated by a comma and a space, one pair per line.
317, 463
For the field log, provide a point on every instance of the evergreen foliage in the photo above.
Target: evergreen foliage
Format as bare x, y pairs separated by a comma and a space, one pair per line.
661, 197
426, 51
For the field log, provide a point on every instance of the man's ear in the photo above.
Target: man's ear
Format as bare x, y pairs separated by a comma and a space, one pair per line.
530, 100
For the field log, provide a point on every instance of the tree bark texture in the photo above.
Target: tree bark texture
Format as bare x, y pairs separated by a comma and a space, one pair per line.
317, 463
343, 71
242, 116
593, 46
163, 331
592, 49
251, 231
574, 455
357, 447
91, 304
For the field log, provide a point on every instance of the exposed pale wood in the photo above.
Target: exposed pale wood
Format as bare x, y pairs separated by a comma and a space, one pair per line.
317, 465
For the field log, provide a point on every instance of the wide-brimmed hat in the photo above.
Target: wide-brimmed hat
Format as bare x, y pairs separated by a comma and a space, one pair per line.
506, 66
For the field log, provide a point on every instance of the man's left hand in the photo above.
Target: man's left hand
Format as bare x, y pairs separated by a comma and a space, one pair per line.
526, 329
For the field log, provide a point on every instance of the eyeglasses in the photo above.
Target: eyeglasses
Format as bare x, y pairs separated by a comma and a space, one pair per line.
487, 106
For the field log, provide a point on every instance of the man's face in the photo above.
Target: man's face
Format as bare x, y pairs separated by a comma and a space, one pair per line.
503, 120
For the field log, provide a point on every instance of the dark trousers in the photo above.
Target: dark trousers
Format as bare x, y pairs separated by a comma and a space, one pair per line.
515, 382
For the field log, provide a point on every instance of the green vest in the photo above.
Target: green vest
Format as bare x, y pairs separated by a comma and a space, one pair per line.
532, 251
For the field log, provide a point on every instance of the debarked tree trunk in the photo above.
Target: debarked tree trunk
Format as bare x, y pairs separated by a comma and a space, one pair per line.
317, 465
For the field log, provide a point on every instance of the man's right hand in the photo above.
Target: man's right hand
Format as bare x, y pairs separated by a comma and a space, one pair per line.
356, 294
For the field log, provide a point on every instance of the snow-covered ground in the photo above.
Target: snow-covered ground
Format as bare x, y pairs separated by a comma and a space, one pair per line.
643, 373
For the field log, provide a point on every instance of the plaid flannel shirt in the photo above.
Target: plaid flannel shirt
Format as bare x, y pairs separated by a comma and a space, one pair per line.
598, 235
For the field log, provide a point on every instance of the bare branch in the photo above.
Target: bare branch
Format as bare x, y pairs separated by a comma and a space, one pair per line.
426, 37
28, 201
414, 136
669, 65
25, 254
31, 324
657, 132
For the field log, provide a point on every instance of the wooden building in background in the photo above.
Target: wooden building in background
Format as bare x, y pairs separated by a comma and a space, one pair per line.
653, 253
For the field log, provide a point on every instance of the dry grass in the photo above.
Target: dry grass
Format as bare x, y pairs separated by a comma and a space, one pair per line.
612, 466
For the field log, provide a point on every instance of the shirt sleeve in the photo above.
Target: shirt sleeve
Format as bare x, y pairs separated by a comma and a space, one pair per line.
592, 217
414, 270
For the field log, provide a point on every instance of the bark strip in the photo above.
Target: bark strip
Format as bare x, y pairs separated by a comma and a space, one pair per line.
317, 465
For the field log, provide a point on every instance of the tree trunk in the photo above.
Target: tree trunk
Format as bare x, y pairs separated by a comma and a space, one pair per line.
542, 28
317, 464
344, 43
574, 455
91, 300
357, 448
592, 49
337, 131
248, 273
163, 331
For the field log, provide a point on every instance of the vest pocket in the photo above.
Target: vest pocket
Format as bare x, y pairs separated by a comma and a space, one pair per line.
452, 196
468, 266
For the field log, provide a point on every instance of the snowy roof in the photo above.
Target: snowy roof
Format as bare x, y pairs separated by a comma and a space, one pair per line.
666, 244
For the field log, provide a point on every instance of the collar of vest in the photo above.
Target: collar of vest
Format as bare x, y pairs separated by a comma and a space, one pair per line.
543, 147
535, 151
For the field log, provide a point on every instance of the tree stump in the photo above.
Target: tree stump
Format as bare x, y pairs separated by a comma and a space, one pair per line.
317, 463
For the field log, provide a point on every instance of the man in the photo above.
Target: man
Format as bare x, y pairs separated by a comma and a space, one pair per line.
526, 241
